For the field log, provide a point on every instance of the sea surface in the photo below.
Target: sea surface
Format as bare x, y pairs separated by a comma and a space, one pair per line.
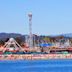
36, 66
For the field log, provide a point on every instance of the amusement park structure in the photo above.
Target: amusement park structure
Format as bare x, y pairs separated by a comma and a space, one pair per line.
61, 48
12, 44
30, 30
56, 47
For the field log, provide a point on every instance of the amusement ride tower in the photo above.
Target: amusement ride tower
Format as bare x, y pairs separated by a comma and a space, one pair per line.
30, 31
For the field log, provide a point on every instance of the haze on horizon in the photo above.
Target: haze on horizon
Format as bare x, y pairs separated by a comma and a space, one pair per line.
50, 17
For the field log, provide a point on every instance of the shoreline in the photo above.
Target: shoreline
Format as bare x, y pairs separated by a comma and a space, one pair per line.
35, 56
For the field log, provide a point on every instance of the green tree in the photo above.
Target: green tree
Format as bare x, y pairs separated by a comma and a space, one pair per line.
19, 40
46, 39
2, 42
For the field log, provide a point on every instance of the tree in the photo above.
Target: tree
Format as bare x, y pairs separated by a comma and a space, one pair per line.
1, 42
46, 39
6, 39
19, 40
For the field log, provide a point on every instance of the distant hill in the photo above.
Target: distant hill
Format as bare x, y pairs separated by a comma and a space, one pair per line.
68, 35
4, 36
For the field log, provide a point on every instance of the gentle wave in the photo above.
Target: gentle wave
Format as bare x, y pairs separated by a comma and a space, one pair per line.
36, 66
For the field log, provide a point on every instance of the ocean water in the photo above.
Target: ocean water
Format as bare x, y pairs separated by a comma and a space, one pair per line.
36, 66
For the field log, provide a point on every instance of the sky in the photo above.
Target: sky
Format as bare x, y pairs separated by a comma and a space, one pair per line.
49, 17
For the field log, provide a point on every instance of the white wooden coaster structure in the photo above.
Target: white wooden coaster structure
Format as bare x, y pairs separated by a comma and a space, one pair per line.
11, 44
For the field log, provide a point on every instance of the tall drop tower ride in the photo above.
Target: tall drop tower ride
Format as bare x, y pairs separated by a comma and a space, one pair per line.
30, 31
